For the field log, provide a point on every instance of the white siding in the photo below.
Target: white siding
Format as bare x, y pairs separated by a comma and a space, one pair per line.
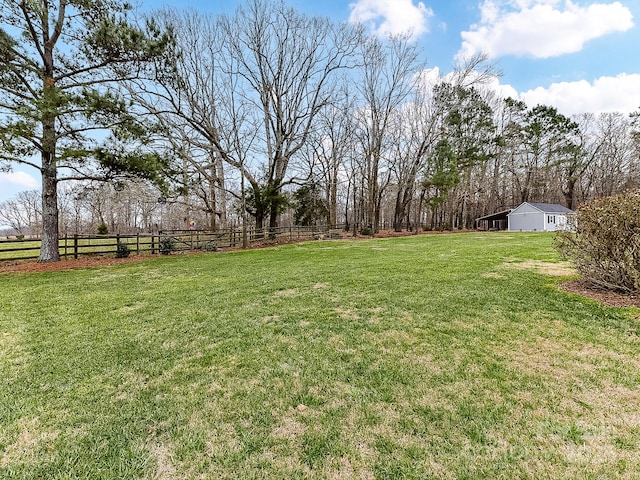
529, 218
558, 221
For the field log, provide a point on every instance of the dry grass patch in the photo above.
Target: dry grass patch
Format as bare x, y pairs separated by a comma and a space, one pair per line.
289, 427
130, 308
292, 292
347, 313
163, 455
560, 269
492, 275
540, 356
32, 439
12, 353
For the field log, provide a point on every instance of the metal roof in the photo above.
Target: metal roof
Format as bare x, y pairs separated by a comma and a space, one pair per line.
495, 216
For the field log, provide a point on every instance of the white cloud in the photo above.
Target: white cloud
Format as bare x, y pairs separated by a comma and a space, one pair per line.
541, 28
620, 93
605, 94
391, 17
20, 179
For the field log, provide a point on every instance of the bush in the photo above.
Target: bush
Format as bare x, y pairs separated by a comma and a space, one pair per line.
365, 231
166, 245
103, 229
123, 250
603, 242
210, 246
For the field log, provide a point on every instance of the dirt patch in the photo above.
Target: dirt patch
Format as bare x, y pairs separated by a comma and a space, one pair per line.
611, 299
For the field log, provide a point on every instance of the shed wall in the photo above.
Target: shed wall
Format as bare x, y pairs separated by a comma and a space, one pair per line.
527, 221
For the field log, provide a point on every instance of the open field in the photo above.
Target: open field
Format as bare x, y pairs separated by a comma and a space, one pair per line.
439, 356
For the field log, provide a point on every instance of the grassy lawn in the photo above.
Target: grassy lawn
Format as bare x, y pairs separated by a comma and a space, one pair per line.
440, 356
31, 249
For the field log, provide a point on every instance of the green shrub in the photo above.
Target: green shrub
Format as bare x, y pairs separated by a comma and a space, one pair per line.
365, 231
604, 242
103, 229
210, 246
123, 250
166, 245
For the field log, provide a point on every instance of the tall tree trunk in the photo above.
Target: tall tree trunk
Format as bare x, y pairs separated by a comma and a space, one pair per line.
569, 193
49, 242
213, 201
222, 200
333, 195
398, 213
273, 217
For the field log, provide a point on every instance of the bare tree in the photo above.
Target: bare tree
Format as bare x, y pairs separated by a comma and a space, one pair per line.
613, 159
330, 148
23, 213
388, 76
288, 64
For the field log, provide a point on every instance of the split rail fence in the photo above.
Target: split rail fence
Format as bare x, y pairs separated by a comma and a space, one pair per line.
74, 246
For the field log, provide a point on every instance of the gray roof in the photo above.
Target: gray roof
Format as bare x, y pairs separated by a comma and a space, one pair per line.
551, 208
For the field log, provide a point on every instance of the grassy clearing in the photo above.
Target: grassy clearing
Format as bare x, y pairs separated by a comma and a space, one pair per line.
449, 356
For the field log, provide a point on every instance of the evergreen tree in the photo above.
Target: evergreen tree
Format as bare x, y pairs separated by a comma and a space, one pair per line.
61, 108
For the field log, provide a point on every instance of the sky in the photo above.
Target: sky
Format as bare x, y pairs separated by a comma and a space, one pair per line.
576, 55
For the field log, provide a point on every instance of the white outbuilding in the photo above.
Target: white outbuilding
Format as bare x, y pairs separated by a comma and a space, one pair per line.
539, 217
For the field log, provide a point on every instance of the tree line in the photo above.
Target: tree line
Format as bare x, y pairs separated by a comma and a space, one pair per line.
270, 116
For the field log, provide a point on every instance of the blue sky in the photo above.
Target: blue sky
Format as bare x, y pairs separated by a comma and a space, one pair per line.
577, 55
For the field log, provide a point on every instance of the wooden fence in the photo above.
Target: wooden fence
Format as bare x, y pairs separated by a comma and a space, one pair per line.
74, 246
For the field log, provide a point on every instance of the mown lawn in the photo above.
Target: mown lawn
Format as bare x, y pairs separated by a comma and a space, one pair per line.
440, 356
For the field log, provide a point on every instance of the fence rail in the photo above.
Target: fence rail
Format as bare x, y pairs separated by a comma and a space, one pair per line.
74, 246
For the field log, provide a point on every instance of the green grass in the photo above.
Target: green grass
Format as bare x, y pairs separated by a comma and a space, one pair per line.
101, 246
440, 356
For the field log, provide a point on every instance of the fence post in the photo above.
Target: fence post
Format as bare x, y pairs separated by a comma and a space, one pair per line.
75, 246
153, 246
138, 243
65, 246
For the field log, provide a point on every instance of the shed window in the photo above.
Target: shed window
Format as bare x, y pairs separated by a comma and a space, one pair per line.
551, 219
